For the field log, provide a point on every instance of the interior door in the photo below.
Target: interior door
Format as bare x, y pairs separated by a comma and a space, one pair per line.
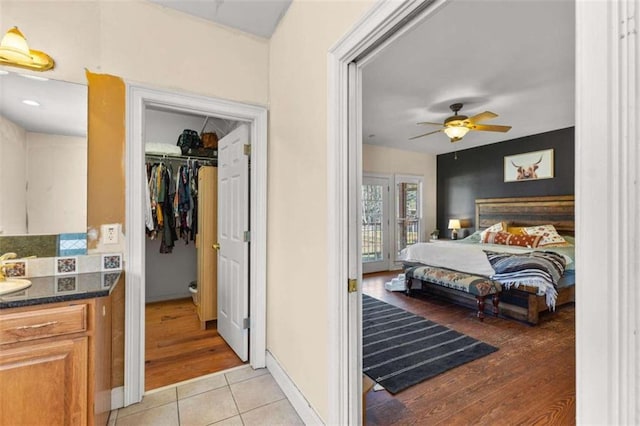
375, 224
233, 253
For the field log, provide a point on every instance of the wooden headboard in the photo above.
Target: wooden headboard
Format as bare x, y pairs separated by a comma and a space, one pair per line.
557, 210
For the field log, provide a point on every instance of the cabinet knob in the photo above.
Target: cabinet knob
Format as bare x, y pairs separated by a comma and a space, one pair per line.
216, 246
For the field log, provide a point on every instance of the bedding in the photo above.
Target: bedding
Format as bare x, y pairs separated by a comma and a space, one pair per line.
511, 266
542, 270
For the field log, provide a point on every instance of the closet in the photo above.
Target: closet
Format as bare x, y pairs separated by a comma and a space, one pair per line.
181, 250
170, 271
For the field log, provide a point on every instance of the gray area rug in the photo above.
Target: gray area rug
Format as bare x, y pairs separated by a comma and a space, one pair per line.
400, 349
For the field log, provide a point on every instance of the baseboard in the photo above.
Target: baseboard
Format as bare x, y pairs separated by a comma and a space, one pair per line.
299, 402
117, 397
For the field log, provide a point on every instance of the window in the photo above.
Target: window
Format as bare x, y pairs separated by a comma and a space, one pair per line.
408, 210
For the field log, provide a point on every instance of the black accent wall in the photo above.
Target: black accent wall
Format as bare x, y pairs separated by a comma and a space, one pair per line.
478, 173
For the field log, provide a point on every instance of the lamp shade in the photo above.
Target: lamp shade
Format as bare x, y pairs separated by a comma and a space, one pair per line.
14, 47
456, 133
15, 52
454, 223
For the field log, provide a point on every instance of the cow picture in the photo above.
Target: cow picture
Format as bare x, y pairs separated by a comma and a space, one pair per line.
528, 166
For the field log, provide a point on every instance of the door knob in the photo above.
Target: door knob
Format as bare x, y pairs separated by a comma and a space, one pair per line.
216, 246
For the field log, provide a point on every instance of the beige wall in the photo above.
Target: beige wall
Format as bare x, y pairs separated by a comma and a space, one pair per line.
297, 294
57, 176
143, 42
378, 159
13, 178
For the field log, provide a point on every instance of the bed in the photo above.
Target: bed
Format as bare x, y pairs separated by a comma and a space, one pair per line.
511, 299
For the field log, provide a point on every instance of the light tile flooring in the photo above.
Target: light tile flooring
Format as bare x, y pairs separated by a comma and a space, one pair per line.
241, 396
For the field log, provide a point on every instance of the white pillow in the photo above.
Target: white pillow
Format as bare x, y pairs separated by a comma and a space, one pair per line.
498, 227
550, 237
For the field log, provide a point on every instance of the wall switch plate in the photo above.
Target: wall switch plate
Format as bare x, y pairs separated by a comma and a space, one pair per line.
110, 233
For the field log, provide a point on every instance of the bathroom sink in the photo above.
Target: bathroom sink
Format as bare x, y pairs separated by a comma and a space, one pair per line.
13, 284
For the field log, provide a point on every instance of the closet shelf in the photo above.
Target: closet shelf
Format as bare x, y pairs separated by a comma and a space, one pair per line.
185, 158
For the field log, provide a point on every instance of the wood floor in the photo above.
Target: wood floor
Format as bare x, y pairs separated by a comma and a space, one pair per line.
530, 380
176, 349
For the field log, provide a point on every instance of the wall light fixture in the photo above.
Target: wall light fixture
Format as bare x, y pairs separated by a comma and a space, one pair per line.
15, 52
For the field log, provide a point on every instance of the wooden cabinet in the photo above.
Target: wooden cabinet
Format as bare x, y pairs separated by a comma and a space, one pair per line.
55, 364
207, 296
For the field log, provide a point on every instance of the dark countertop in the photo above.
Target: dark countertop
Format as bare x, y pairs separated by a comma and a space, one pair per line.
62, 288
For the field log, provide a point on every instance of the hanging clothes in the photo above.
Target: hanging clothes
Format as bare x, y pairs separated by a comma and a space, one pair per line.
171, 211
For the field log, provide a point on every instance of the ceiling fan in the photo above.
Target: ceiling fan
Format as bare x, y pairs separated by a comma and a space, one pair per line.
456, 126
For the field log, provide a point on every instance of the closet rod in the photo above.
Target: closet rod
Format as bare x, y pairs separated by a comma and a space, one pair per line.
185, 158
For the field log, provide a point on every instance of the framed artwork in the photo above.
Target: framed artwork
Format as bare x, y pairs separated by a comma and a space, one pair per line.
528, 166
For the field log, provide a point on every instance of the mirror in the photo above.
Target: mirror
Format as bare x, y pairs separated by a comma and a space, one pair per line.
43, 155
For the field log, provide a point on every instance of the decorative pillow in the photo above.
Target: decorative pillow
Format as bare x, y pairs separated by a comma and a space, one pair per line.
507, 239
498, 227
550, 237
516, 230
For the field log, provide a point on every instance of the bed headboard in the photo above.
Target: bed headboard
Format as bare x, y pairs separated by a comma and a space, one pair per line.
557, 210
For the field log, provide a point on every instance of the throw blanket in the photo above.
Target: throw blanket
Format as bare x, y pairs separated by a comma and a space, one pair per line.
539, 269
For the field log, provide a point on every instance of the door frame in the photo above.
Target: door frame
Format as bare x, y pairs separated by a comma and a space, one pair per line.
138, 98
388, 242
607, 98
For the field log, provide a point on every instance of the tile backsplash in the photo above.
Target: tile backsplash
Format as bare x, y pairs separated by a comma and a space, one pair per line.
63, 265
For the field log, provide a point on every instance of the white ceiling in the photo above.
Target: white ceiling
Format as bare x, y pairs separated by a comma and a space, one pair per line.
62, 110
259, 17
511, 57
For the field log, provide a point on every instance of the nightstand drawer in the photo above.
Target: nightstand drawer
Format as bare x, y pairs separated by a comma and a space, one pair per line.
42, 323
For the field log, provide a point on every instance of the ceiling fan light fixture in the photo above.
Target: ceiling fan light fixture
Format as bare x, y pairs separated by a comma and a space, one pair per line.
455, 133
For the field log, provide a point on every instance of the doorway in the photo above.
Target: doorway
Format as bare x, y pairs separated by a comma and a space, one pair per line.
189, 213
140, 98
376, 233
598, 83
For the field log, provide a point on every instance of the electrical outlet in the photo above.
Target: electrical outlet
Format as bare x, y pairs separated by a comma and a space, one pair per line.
110, 233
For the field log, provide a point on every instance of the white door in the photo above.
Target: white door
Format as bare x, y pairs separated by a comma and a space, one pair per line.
375, 223
233, 255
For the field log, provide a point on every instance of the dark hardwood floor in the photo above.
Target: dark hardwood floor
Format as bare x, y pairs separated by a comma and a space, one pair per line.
530, 380
176, 349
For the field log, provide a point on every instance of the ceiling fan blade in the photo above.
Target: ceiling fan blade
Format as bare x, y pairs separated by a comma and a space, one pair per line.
483, 116
490, 127
426, 134
429, 122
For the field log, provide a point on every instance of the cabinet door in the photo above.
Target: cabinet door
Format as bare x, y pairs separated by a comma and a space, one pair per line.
44, 383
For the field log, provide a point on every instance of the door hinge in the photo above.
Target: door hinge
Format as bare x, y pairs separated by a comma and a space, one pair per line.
353, 285
247, 236
246, 149
246, 324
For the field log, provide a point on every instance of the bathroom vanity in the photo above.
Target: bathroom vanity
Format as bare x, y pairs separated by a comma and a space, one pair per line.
55, 351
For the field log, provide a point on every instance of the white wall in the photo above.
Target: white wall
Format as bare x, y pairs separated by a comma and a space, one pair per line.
297, 294
378, 159
13, 202
57, 179
168, 274
165, 127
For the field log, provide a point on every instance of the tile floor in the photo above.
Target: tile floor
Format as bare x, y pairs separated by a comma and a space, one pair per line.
241, 396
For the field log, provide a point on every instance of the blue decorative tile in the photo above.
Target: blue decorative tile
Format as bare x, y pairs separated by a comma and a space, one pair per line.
68, 284
15, 268
109, 279
72, 244
112, 262
66, 265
